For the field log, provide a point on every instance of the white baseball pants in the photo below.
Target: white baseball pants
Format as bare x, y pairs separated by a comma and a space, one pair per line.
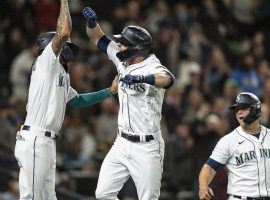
143, 161
36, 156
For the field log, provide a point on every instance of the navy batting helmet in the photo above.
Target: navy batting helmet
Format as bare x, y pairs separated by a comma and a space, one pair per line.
137, 39
248, 100
68, 52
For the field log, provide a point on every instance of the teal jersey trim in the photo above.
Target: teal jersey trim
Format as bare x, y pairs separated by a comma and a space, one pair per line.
89, 99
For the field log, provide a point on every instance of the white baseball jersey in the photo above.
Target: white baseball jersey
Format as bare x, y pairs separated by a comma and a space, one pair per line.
49, 92
247, 159
35, 152
140, 103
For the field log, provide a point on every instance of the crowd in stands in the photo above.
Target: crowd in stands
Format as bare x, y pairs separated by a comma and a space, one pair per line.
215, 48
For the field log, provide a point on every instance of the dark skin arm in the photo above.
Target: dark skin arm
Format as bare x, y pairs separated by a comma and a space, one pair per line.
63, 29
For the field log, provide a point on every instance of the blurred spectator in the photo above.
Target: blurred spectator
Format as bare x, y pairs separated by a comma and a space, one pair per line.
107, 123
179, 158
172, 108
263, 69
73, 158
20, 72
89, 143
13, 44
209, 19
45, 15
167, 42
244, 12
157, 13
188, 69
264, 120
13, 192
8, 131
230, 91
257, 46
194, 99
216, 73
205, 139
246, 76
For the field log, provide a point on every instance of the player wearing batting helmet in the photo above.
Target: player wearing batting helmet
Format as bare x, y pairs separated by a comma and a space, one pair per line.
245, 152
48, 95
139, 147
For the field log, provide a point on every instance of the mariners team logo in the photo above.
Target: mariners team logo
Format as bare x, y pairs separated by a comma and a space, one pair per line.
60, 80
238, 98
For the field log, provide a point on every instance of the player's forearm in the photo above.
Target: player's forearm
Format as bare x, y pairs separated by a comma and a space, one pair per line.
63, 29
206, 175
64, 24
89, 99
94, 33
163, 80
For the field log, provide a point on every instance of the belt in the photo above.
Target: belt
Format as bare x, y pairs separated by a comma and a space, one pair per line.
47, 133
252, 198
136, 138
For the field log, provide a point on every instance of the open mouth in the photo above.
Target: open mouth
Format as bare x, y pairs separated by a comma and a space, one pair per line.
241, 118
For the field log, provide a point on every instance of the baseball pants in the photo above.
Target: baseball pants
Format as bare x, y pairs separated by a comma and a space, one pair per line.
143, 161
36, 156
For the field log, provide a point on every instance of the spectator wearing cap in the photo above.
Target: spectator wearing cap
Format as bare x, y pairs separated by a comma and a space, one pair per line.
246, 77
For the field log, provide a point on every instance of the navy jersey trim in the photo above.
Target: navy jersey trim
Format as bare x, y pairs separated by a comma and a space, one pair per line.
103, 43
214, 164
137, 68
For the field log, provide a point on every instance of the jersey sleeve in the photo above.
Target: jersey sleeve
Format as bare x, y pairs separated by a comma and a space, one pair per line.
221, 152
71, 93
163, 70
47, 59
111, 52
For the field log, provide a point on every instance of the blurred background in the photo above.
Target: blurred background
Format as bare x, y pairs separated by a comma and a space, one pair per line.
215, 48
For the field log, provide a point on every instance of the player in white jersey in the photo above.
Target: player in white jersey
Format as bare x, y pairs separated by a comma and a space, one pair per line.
49, 93
245, 152
139, 148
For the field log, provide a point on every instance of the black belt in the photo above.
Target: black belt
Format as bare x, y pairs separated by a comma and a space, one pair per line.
136, 138
47, 133
252, 198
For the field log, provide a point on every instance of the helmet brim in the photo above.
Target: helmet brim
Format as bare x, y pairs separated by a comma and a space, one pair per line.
235, 106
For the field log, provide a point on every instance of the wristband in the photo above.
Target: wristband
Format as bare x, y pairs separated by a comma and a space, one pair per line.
150, 79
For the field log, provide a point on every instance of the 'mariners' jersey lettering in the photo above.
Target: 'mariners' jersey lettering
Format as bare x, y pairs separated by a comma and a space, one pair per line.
138, 87
251, 155
265, 153
245, 157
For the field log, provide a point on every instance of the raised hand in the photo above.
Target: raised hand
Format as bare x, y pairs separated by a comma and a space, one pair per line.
90, 16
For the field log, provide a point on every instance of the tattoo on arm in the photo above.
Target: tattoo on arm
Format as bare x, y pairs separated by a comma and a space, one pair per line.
64, 26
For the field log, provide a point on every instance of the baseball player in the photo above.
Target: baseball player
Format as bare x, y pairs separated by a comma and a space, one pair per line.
139, 148
245, 152
49, 93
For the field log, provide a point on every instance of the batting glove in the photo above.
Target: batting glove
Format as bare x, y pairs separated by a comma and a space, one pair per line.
131, 79
90, 16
